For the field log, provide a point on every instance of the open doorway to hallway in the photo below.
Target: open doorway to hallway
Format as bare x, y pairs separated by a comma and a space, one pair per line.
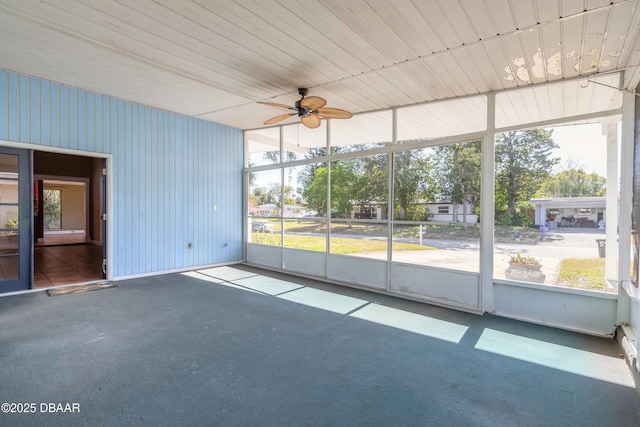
68, 232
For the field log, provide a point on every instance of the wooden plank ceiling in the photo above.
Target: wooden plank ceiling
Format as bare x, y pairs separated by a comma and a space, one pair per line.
213, 59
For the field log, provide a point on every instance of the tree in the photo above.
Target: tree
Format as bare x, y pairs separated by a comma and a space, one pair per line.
314, 190
51, 208
523, 163
411, 182
456, 175
344, 180
573, 183
371, 180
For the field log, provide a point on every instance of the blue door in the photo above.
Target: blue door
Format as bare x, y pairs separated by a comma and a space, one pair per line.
16, 209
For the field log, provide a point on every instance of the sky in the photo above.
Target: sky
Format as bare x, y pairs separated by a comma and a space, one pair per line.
583, 144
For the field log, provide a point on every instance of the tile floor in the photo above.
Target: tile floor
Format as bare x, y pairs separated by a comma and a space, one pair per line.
66, 264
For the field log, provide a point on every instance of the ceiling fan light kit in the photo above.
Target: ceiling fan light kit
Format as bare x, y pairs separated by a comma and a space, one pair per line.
309, 109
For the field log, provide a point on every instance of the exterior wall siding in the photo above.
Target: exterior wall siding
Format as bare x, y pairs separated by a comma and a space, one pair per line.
168, 171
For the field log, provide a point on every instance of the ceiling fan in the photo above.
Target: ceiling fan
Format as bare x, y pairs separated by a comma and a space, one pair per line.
309, 110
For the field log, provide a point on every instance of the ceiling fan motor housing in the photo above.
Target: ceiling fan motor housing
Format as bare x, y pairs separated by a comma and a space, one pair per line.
309, 110
302, 111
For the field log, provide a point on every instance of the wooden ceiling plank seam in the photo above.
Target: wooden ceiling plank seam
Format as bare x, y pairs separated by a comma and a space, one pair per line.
458, 57
594, 4
518, 68
67, 46
632, 38
364, 21
550, 36
406, 23
254, 47
429, 38
571, 7
530, 104
595, 29
519, 102
407, 90
341, 35
125, 51
556, 101
492, 80
602, 65
370, 99
495, 80
497, 55
525, 15
506, 110
198, 43
547, 10
283, 42
453, 69
448, 80
404, 89
543, 102
572, 46
457, 20
466, 61
95, 28
530, 42
431, 85
480, 19
436, 19
501, 14
412, 87
503, 113
620, 19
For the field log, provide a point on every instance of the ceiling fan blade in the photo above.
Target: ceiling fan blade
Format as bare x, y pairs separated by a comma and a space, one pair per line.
334, 113
279, 118
275, 104
311, 121
313, 102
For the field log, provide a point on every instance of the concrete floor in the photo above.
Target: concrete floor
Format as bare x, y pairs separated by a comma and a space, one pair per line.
241, 346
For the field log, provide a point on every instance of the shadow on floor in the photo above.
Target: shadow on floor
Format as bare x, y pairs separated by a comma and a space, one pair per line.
242, 346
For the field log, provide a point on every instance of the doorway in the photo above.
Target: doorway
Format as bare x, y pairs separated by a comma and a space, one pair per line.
69, 241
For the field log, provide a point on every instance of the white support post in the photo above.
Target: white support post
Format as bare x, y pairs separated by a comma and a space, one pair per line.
612, 218
487, 209
627, 138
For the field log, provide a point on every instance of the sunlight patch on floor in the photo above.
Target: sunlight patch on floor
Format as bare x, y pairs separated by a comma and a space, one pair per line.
412, 322
207, 278
227, 273
568, 359
325, 300
268, 285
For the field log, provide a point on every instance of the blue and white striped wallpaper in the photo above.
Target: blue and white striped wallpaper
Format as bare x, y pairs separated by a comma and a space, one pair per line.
168, 171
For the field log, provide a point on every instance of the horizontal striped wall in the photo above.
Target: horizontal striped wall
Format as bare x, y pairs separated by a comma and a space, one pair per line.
168, 171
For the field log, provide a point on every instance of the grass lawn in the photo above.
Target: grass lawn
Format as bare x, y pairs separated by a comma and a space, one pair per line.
503, 234
583, 273
339, 245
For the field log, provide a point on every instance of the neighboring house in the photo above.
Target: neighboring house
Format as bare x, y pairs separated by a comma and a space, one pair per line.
439, 212
569, 211
271, 209
443, 212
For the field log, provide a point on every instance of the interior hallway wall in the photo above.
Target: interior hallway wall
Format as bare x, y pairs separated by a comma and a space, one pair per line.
168, 171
